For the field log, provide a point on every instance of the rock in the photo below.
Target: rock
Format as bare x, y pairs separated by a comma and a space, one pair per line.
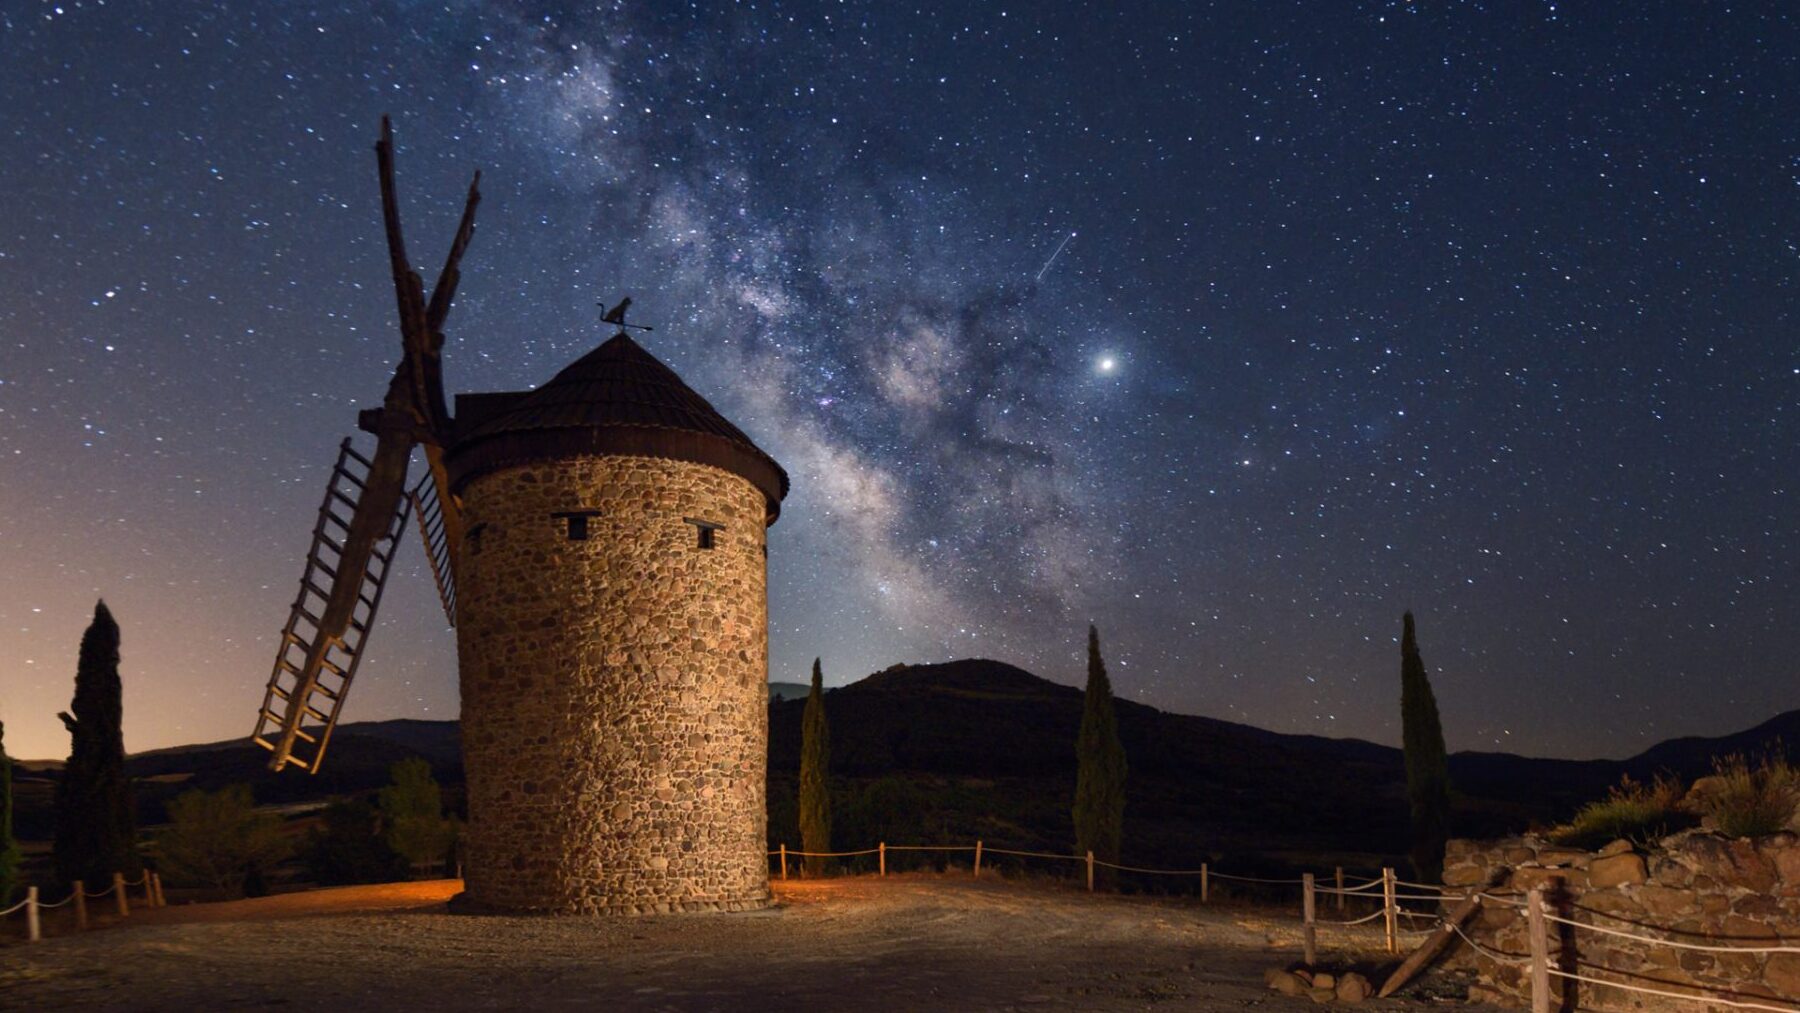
1733, 861
1758, 905
1482, 992
1615, 903
1749, 930
1459, 847
1354, 987
1702, 791
1782, 973
1669, 872
1324, 981
1556, 855
1464, 875
1664, 902
1545, 879
1284, 982
1618, 847
1520, 855
1321, 995
1787, 865
1616, 870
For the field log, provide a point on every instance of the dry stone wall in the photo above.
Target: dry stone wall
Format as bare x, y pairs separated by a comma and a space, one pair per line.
614, 688
1695, 887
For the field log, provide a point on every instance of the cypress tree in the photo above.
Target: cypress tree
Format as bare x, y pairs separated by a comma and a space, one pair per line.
10, 856
1099, 809
95, 830
815, 795
1427, 764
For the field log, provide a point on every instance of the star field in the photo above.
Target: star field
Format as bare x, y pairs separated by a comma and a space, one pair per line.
1236, 330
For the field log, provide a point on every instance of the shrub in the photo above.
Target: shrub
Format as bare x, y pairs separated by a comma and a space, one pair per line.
1746, 801
1639, 813
218, 839
349, 847
412, 815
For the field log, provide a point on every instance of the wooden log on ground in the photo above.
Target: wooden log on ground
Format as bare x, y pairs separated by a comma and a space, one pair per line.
1433, 945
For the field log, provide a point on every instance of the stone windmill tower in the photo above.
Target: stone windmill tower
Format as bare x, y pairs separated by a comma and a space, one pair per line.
612, 636
598, 543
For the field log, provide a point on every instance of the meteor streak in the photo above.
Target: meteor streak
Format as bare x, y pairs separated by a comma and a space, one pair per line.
1053, 256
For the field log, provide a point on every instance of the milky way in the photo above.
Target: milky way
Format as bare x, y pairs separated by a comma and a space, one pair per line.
1486, 313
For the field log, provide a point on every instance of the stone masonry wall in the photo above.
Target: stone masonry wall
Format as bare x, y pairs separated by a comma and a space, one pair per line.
614, 689
1696, 887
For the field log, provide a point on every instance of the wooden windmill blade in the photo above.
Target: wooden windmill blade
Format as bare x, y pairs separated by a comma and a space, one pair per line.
348, 564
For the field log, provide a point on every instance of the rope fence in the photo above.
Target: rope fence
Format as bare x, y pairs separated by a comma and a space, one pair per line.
1383, 889
79, 895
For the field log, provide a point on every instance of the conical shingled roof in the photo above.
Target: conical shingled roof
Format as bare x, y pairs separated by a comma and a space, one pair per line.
617, 399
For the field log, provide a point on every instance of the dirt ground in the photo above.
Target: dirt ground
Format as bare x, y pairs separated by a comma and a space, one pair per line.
911, 942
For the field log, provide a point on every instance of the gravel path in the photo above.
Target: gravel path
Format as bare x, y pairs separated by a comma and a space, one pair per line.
910, 942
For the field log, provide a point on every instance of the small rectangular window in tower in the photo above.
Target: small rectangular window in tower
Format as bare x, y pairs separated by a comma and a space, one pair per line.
473, 538
578, 522
707, 537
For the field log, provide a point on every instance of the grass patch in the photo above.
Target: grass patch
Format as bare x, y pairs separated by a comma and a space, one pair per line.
1640, 813
1751, 801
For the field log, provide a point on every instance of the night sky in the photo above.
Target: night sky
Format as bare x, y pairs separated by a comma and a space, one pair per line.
1236, 329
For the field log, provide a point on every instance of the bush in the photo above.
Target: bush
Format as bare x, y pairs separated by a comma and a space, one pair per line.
412, 815
218, 839
1639, 813
1746, 801
349, 848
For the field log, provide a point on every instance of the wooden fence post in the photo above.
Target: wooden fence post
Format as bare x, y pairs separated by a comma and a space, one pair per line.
1340, 889
1389, 906
149, 890
119, 898
1205, 885
1308, 909
784, 860
1540, 952
977, 859
1090, 861
883, 857
80, 907
33, 930
161, 899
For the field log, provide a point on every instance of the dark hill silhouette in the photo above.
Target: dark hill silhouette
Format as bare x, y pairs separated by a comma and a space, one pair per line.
1691, 756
